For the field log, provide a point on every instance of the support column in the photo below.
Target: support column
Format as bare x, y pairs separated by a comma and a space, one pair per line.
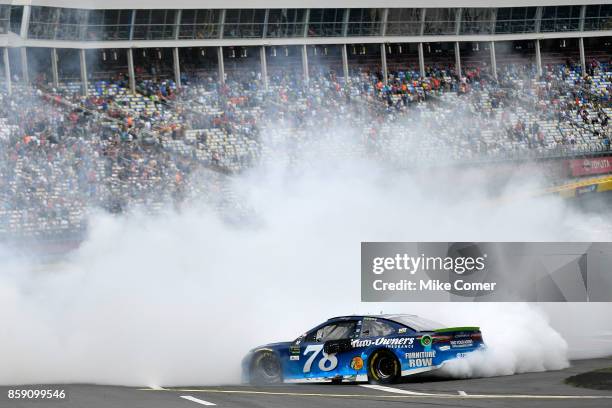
305, 21
175, 52
131, 73
54, 69
7, 70
383, 22
345, 67
221, 64
423, 14
25, 72
493, 59
23, 33
25, 22
383, 62
84, 84
177, 67
132, 24
345, 22
582, 18
264, 66
421, 60
538, 58
305, 63
538, 19
265, 25
221, 23
457, 59
582, 56
458, 21
177, 23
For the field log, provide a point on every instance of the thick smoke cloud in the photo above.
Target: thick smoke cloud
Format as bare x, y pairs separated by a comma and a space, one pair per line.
179, 298
519, 339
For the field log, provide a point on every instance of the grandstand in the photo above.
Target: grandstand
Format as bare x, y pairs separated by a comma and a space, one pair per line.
131, 104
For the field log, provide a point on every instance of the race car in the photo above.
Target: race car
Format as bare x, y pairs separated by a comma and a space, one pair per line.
378, 349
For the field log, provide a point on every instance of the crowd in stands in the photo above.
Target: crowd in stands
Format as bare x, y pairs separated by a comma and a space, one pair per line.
63, 155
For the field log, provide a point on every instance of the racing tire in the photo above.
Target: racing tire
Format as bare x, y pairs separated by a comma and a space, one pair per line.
383, 368
265, 368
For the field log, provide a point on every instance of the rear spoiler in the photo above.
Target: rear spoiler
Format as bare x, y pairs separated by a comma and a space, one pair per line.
456, 329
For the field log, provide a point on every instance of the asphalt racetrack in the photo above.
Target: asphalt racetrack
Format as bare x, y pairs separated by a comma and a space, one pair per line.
540, 390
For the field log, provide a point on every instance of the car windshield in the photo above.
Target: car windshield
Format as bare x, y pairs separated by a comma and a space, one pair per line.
417, 323
333, 331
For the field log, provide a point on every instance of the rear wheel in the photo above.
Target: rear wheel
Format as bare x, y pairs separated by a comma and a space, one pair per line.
383, 367
266, 368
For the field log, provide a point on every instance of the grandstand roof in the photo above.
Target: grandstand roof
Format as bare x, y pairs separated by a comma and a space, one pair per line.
199, 4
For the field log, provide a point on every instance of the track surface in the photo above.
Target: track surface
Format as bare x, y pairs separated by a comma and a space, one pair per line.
539, 390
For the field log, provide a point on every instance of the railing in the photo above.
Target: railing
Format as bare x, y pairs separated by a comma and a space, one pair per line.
60, 23
81, 32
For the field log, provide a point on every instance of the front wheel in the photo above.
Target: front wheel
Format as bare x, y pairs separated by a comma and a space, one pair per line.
383, 367
266, 368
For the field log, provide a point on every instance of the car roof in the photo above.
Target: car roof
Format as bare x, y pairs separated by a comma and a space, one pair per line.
378, 316
411, 321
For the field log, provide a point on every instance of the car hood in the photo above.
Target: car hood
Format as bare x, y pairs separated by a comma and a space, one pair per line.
274, 346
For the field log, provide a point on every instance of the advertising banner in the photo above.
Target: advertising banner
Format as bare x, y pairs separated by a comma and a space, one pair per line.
590, 166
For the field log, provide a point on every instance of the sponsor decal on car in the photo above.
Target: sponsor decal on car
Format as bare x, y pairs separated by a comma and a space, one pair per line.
294, 358
461, 343
426, 341
420, 354
420, 362
444, 348
402, 330
383, 341
420, 359
357, 363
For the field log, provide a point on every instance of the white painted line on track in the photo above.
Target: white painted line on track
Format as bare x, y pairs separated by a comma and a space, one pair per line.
462, 393
353, 395
197, 400
393, 390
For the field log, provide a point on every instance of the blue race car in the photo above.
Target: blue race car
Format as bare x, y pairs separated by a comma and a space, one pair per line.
379, 349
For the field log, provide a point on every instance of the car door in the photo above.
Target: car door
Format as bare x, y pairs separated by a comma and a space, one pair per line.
399, 339
313, 363
373, 328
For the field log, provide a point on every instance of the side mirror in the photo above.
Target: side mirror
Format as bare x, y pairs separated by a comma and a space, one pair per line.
337, 346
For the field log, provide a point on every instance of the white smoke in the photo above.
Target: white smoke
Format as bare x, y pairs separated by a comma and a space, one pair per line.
180, 298
519, 339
